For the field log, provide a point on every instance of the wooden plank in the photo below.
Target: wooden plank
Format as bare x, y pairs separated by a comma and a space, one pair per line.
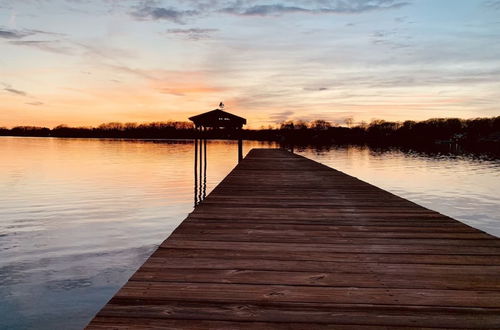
287, 243
339, 279
293, 236
332, 248
243, 293
306, 315
315, 266
127, 322
341, 231
440, 259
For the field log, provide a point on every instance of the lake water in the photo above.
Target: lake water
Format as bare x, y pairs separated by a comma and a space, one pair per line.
78, 216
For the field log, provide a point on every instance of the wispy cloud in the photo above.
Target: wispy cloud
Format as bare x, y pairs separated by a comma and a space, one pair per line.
36, 104
392, 39
6, 33
494, 4
104, 50
11, 34
18, 38
10, 89
314, 7
279, 117
53, 46
121, 68
193, 33
315, 89
15, 91
150, 12
264, 10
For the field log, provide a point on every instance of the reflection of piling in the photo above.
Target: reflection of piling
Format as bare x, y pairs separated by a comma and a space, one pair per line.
200, 170
286, 146
200, 167
240, 150
204, 169
195, 172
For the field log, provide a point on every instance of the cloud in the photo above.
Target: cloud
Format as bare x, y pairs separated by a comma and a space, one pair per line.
494, 4
13, 34
148, 75
152, 10
14, 38
194, 88
392, 39
53, 46
279, 117
9, 89
148, 12
315, 7
45, 32
315, 89
264, 10
15, 91
35, 103
193, 34
104, 50
6, 33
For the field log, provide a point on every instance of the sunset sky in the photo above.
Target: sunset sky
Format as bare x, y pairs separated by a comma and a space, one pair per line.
83, 62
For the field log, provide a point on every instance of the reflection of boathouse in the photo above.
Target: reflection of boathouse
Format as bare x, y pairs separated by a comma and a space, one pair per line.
216, 119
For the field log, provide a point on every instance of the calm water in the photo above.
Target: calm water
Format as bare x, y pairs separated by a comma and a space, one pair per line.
77, 216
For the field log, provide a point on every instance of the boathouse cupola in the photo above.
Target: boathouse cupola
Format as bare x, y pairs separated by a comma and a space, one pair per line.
218, 118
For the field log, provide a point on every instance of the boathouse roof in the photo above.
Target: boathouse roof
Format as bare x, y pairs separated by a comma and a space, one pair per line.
218, 118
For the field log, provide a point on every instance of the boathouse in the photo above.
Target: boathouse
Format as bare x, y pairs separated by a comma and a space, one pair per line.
218, 118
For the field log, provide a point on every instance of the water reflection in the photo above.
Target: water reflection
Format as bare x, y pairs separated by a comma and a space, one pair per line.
200, 167
200, 171
79, 216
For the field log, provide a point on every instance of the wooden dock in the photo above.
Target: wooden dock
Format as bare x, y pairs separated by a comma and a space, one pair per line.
284, 242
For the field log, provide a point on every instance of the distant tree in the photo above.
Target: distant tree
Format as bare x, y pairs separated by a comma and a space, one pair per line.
130, 126
29, 131
408, 125
287, 125
111, 126
363, 125
320, 125
300, 124
475, 134
349, 121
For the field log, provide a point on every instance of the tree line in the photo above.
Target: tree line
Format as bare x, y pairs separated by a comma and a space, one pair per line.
478, 133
